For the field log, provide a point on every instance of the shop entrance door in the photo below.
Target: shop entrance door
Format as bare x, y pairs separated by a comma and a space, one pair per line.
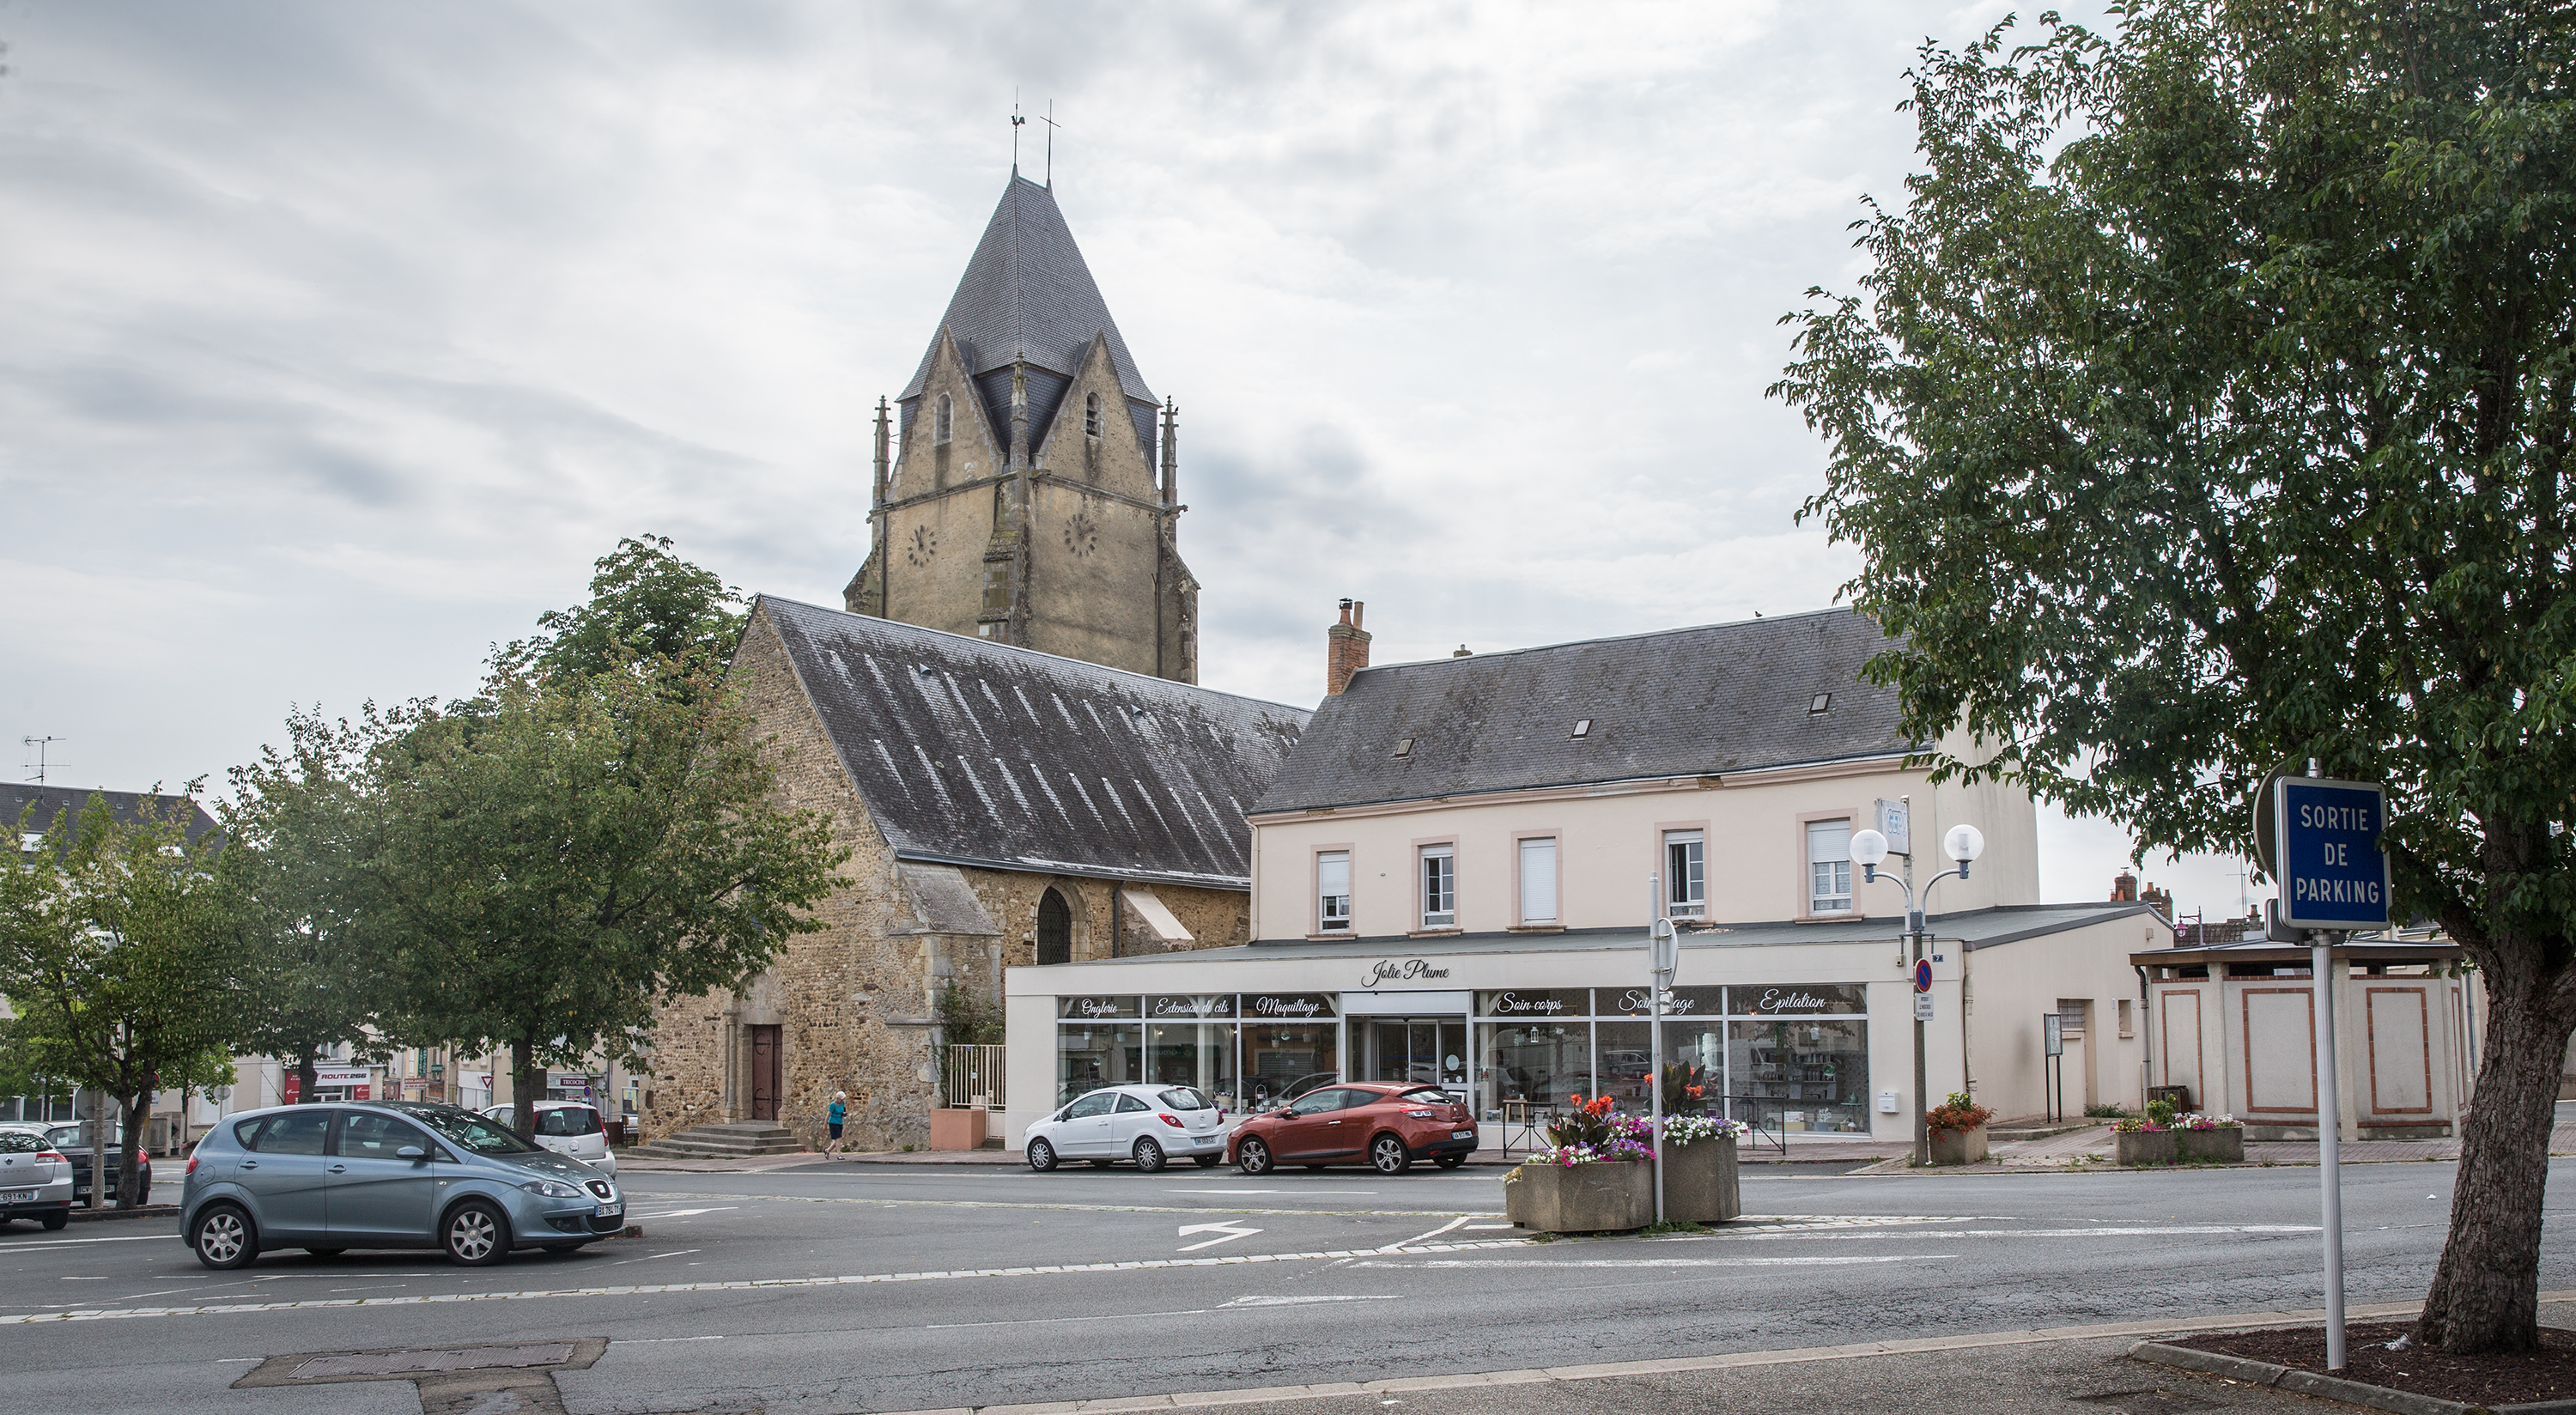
1429, 1051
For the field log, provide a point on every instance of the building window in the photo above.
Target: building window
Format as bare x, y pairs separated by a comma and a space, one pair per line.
1091, 415
1829, 875
1538, 881
1055, 929
1333, 892
943, 423
1685, 874
1439, 886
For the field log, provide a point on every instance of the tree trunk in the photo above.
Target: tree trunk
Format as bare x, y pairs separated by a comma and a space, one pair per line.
528, 1086
2486, 1290
130, 1192
305, 1081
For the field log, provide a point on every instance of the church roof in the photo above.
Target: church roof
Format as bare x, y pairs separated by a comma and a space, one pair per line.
1028, 293
66, 803
977, 753
1683, 702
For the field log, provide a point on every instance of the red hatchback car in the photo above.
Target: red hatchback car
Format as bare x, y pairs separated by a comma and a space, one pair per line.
1388, 1125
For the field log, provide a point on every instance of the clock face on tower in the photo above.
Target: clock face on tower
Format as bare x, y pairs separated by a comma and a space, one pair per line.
924, 545
1081, 534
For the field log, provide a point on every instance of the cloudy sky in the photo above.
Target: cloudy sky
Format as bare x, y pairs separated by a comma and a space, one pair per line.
337, 339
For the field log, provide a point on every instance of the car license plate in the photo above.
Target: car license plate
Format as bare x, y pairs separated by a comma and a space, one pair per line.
609, 1210
1462, 1134
19, 1196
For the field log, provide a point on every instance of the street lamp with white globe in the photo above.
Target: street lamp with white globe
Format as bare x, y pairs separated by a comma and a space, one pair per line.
1962, 843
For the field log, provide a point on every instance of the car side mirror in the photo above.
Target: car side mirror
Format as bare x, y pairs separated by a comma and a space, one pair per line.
411, 1152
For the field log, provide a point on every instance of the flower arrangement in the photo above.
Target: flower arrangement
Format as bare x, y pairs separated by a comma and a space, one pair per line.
2150, 1125
1596, 1131
1685, 1129
1957, 1113
1686, 1089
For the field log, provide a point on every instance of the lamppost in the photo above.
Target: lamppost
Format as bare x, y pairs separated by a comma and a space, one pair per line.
1963, 843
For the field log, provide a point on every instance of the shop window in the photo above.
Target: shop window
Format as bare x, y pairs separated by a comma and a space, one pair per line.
1439, 886
1685, 874
1055, 929
1538, 881
1333, 892
1829, 871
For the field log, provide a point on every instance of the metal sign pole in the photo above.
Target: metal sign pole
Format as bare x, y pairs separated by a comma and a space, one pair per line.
2329, 1139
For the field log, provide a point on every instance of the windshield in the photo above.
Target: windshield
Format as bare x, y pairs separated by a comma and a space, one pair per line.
568, 1120
472, 1132
1185, 1098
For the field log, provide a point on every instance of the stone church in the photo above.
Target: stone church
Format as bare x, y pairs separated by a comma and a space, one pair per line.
1002, 722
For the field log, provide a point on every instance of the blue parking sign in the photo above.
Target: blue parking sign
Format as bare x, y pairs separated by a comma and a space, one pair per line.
2332, 871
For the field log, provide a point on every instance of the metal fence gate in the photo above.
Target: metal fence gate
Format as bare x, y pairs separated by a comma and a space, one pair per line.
973, 1077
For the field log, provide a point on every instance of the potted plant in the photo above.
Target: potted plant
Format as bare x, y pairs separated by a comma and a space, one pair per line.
2208, 1139
2159, 1136
1701, 1183
1596, 1179
1958, 1127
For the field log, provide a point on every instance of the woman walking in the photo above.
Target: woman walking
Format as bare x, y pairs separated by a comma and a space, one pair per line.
840, 1112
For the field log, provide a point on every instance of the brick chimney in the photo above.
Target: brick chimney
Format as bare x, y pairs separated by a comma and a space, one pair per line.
2124, 888
1345, 648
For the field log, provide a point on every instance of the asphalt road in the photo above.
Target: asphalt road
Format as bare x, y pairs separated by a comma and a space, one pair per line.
906, 1288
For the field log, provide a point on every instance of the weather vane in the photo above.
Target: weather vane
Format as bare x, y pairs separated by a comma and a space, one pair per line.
1017, 123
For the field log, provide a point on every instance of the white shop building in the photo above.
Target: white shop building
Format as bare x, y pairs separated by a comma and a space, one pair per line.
1451, 881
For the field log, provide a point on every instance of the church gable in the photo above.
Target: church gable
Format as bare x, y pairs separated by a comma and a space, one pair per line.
944, 449
1093, 439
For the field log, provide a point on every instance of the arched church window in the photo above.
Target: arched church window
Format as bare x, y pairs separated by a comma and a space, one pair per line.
1091, 414
1055, 929
945, 422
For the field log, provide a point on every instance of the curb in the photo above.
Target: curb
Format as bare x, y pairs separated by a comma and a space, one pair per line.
168, 1211
2290, 1378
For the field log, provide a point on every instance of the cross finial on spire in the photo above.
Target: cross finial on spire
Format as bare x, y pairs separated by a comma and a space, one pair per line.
1052, 125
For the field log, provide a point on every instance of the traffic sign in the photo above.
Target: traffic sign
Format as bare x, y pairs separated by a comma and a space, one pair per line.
1923, 975
1923, 1007
2332, 871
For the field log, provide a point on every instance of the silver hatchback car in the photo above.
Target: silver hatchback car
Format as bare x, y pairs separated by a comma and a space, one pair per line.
388, 1174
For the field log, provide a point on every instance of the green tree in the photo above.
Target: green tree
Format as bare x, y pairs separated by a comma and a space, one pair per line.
645, 603
566, 853
306, 838
111, 952
2206, 409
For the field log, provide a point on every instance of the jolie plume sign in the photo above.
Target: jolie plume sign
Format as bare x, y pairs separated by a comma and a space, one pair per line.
1402, 970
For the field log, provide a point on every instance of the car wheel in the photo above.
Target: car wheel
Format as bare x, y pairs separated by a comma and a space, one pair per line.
1149, 1156
1206, 1161
1388, 1154
1252, 1157
1449, 1161
475, 1235
57, 1222
1041, 1156
326, 1252
224, 1238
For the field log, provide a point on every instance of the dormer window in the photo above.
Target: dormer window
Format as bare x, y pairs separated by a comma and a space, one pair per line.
1091, 415
943, 423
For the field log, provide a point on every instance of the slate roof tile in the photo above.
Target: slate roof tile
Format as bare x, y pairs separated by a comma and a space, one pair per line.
1683, 702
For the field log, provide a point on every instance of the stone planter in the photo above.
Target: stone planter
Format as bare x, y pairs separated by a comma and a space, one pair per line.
958, 1128
1959, 1146
2209, 1146
1700, 1182
1606, 1197
2144, 1146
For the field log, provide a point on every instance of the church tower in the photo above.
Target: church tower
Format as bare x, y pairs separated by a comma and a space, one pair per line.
1031, 494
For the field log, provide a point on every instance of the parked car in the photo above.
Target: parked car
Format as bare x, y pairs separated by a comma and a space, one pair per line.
35, 1178
69, 1139
1265, 1096
1151, 1125
388, 1174
1387, 1125
567, 1128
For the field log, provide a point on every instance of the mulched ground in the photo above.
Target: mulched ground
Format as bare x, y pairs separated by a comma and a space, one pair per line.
2546, 1374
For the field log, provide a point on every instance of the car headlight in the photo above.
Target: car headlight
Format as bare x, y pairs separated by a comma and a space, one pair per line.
552, 1189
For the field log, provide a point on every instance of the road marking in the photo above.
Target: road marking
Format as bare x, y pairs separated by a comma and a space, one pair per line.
75, 1242
1304, 1301
1226, 1232
1478, 1227
1814, 1262
1421, 1237
1212, 1260
654, 1340
1238, 1304
686, 1213
674, 1253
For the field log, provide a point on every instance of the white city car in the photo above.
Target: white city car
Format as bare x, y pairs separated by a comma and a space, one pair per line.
1151, 1125
567, 1128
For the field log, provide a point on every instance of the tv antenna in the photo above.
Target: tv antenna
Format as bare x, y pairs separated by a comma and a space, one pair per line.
37, 764
1052, 125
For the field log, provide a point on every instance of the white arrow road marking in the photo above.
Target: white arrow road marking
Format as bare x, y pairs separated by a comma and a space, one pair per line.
1227, 1232
1419, 1237
685, 1213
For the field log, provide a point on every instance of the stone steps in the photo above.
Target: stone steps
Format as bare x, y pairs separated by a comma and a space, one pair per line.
730, 1140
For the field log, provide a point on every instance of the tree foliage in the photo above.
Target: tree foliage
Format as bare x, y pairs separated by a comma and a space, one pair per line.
645, 603
112, 953
2205, 409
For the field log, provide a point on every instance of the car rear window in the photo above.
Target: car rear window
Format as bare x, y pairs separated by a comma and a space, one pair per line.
1185, 1098
568, 1120
1431, 1095
19, 1142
